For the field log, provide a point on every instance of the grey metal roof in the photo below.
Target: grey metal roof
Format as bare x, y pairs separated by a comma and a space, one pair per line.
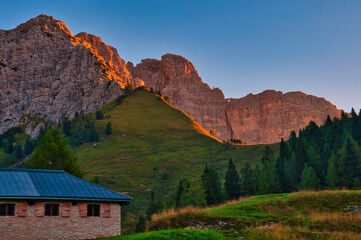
52, 184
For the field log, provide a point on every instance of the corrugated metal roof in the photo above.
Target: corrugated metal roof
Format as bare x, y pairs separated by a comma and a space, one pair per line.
52, 184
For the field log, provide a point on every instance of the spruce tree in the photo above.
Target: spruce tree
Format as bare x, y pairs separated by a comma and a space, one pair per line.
309, 180
232, 183
92, 134
19, 152
350, 163
281, 167
152, 208
332, 178
193, 196
11, 141
99, 115
108, 129
267, 179
141, 224
356, 126
301, 159
53, 152
28, 147
248, 180
180, 191
212, 186
66, 127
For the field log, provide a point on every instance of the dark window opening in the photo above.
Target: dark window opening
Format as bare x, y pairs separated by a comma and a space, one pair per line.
51, 209
93, 210
7, 209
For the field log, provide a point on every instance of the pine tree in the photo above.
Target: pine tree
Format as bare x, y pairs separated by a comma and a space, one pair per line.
350, 163
93, 134
193, 196
212, 186
332, 178
293, 140
141, 225
53, 152
180, 191
99, 115
248, 180
152, 208
19, 152
291, 172
309, 180
356, 126
301, 159
267, 179
11, 141
232, 183
108, 129
268, 154
314, 160
66, 126
28, 147
281, 167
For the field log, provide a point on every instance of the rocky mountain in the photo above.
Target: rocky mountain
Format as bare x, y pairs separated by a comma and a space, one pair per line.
47, 73
263, 118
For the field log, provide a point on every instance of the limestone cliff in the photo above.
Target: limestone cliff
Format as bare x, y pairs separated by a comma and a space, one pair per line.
263, 118
177, 78
269, 116
47, 72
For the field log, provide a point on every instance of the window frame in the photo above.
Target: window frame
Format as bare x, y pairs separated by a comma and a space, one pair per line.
51, 206
7, 205
92, 211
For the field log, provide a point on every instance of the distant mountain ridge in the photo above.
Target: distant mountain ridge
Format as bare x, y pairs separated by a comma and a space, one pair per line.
262, 118
46, 72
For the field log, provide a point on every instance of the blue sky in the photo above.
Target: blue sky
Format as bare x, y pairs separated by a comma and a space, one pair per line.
242, 47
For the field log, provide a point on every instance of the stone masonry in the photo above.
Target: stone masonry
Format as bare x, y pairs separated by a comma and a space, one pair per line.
29, 221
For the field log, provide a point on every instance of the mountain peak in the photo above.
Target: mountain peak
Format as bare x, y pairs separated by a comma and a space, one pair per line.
44, 23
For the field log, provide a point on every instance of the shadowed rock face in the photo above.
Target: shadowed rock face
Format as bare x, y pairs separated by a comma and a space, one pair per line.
48, 73
263, 118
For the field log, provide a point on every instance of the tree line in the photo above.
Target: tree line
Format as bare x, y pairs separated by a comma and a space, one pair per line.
319, 157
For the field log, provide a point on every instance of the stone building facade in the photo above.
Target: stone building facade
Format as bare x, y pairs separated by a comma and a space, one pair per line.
42, 204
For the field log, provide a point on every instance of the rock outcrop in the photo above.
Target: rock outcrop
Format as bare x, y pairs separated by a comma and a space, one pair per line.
177, 78
263, 118
46, 72
269, 116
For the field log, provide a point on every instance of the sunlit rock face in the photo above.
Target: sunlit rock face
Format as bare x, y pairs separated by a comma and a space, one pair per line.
263, 118
269, 116
177, 78
47, 72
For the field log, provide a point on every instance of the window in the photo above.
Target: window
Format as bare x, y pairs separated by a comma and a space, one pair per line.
7, 209
51, 209
93, 210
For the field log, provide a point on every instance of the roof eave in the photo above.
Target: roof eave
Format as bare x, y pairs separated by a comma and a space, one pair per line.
67, 199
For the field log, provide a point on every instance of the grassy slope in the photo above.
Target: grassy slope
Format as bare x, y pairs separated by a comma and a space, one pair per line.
150, 139
153, 145
175, 235
303, 215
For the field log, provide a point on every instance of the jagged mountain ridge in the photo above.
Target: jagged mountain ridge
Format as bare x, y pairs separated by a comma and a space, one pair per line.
48, 73
262, 118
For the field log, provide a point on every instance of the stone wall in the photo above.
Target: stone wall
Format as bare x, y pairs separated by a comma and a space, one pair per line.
68, 225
